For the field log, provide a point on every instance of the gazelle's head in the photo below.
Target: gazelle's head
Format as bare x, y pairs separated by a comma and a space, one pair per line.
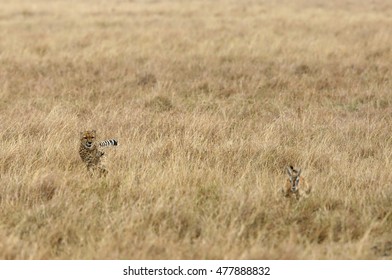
87, 138
294, 176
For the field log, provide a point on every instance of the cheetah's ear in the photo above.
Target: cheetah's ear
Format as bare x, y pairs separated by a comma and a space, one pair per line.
94, 132
81, 134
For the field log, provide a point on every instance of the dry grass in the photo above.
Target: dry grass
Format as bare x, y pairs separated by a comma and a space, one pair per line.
210, 100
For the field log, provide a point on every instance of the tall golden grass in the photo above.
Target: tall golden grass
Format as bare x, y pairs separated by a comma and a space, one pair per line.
210, 101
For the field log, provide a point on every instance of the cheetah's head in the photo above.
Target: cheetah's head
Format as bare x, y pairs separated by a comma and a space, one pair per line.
87, 138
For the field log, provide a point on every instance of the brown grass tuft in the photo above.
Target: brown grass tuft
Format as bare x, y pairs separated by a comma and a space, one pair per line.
159, 104
43, 187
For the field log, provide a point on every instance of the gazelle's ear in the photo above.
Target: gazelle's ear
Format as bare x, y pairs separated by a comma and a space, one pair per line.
289, 170
299, 172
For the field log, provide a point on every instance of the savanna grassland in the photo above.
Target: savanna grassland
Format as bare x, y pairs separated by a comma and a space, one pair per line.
210, 101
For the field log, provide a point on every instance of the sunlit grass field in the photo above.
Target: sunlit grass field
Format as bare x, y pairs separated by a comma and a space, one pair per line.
210, 101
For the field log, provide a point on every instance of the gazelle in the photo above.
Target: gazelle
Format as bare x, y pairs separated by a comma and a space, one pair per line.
295, 185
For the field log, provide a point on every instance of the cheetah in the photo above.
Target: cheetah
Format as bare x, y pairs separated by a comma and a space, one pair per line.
296, 185
91, 154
